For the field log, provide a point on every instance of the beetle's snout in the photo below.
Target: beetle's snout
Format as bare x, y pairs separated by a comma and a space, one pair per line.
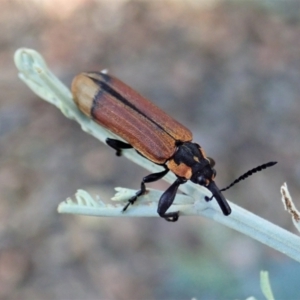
220, 198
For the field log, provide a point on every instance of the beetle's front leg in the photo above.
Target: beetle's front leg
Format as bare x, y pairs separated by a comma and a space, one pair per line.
167, 199
149, 178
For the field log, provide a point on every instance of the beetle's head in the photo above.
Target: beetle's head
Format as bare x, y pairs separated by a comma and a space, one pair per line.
203, 172
191, 163
205, 176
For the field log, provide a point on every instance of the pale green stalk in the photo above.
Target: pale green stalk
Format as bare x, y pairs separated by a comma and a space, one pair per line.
265, 285
34, 72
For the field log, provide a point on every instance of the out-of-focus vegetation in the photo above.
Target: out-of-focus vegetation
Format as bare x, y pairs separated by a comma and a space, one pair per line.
229, 70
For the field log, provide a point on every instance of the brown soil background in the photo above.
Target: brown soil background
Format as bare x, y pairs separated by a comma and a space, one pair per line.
230, 71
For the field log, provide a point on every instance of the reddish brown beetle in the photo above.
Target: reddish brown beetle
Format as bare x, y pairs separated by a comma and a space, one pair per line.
152, 133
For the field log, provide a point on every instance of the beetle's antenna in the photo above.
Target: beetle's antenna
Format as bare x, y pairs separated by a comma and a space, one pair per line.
249, 173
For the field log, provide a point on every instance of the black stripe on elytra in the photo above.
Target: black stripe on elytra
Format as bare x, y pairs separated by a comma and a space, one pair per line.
106, 88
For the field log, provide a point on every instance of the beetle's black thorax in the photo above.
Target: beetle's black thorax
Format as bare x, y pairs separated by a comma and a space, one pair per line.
188, 160
191, 155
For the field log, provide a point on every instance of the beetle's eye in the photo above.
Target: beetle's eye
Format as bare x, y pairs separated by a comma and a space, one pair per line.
214, 174
211, 161
201, 180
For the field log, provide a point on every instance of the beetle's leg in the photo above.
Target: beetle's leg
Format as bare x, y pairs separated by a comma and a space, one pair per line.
148, 178
118, 145
167, 199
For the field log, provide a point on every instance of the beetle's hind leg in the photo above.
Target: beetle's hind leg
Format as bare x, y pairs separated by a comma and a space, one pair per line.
149, 178
118, 145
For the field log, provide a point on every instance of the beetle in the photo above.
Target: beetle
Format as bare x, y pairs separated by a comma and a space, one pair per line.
152, 133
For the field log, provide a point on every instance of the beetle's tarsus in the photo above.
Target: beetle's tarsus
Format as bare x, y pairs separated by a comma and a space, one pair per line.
142, 191
174, 216
167, 199
127, 205
117, 145
134, 198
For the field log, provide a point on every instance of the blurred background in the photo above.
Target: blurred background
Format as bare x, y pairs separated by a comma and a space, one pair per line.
229, 70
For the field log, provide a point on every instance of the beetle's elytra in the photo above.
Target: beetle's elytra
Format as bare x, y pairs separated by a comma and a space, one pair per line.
151, 132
